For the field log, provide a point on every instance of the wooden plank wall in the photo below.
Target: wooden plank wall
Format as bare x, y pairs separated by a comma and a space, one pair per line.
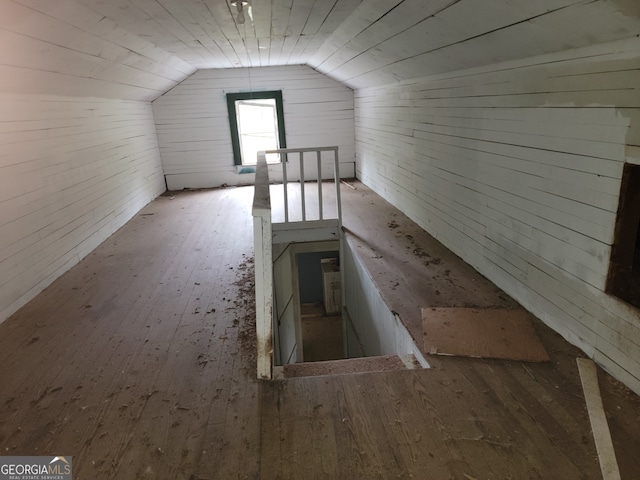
516, 167
193, 124
72, 171
285, 324
374, 328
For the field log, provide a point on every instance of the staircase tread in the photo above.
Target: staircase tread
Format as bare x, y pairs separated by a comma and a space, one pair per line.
382, 363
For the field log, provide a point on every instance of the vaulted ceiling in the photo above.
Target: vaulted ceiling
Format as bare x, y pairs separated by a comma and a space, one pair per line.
139, 49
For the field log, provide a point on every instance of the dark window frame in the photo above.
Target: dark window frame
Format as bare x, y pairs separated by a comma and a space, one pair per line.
623, 279
233, 119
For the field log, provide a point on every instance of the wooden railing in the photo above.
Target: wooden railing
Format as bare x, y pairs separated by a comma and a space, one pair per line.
286, 155
267, 232
263, 242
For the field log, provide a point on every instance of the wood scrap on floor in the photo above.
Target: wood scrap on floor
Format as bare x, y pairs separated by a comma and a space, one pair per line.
598, 419
482, 333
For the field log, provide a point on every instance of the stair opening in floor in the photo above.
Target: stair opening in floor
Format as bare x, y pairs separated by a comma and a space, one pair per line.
308, 282
330, 318
322, 338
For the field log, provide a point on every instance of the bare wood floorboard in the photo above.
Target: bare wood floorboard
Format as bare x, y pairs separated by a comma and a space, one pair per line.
132, 362
140, 363
322, 337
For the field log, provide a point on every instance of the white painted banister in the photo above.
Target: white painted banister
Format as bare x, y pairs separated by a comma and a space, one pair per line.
287, 153
266, 233
262, 234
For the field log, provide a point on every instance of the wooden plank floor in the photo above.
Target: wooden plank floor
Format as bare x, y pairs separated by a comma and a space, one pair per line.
139, 363
321, 334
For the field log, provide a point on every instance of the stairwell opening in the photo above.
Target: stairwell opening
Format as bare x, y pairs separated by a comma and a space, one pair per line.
330, 317
301, 251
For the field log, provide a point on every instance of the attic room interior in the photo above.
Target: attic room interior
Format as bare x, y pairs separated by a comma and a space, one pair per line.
488, 160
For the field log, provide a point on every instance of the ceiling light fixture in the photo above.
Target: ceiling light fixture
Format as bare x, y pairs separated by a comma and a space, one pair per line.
239, 4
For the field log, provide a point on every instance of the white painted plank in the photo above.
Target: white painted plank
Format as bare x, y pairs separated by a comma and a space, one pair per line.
599, 424
262, 19
362, 17
403, 16
264, 45
280, 17
332, 14
448, 25
317, 17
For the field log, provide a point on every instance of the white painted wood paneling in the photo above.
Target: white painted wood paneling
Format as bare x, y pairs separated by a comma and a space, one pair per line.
394, 40
516, 167
285, 329
374, 329
192, 121
207, 35
72, 171
139, 49
63, 48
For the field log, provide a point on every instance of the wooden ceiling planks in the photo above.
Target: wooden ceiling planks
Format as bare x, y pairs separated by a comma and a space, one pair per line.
399, 18
227, 33
141, 48
280, 14
328, 20
525, 32
205, 33
113, 42
208, 30
363, 16
300, 13
64, 48
316, 17
445, 24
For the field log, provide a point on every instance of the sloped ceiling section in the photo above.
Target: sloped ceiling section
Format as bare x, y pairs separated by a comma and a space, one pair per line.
206, 34
416, 38
139, 49
63, 48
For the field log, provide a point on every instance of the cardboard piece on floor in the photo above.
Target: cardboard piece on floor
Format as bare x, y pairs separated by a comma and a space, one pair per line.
482, 333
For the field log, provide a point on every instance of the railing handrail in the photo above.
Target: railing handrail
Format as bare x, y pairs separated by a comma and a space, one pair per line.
336, 178
301, 150
262, 196
263, 243
262, 235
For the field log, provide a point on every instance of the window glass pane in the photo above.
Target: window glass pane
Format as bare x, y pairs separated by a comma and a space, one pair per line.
257, 127
256, 121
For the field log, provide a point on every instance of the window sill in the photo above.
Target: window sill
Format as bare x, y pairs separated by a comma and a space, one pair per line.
251, 168
242, 169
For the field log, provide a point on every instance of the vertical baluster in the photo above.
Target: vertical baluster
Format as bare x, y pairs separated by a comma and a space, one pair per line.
319, 153
336, 175
285, 186
304, 206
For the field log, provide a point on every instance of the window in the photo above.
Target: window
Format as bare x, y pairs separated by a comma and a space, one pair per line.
623, 280
257, 123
